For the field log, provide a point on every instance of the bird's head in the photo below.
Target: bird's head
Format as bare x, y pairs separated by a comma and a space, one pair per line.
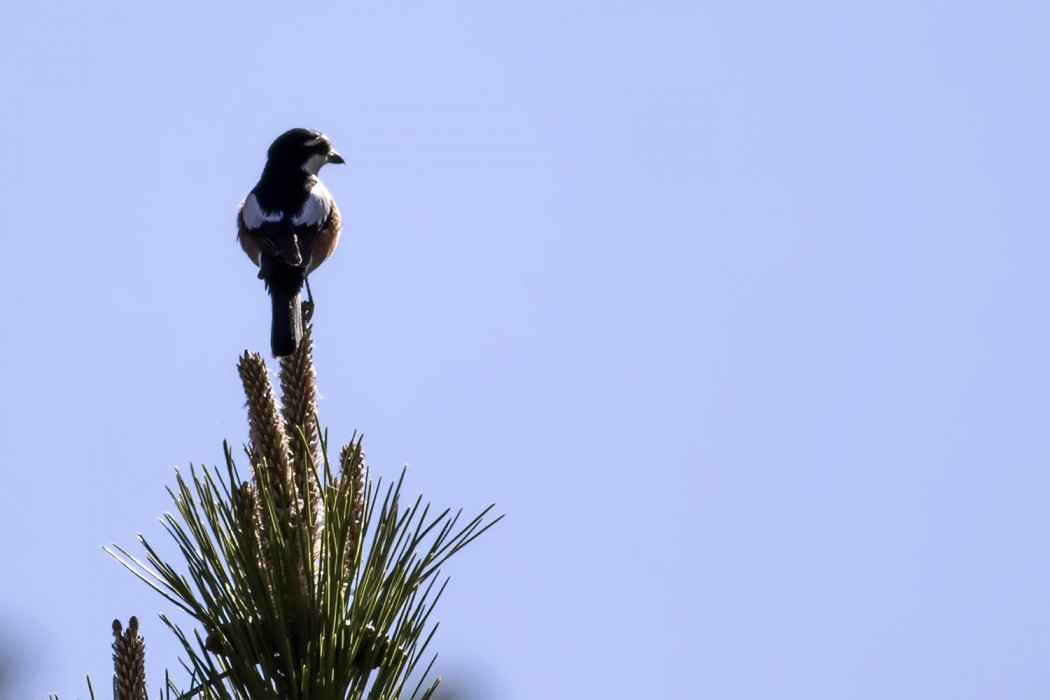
303, 149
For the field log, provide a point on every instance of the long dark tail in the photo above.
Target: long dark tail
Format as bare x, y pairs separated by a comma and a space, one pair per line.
287, 328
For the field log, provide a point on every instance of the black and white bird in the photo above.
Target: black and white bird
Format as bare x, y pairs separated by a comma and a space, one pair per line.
288, 225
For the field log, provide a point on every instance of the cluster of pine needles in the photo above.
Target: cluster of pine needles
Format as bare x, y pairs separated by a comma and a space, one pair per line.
306, 581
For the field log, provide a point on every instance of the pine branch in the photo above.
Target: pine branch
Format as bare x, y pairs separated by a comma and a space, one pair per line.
129, 662
299, 408
307, 581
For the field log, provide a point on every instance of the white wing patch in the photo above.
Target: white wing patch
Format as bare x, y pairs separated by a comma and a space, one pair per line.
255, 216
315, 209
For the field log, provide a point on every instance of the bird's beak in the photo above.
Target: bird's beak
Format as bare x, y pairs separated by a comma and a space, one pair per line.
334, 157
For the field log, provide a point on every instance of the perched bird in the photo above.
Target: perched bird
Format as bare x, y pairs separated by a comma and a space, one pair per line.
288, 225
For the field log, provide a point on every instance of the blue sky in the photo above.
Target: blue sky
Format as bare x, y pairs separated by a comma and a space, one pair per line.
737, 309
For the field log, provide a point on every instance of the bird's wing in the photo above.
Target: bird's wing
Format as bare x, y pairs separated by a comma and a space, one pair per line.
312, 221
274, 234
316, 208
254, 216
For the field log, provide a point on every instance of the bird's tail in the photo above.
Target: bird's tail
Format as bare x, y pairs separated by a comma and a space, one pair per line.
287, 328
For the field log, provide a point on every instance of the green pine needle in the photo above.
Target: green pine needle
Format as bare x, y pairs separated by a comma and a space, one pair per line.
279, 620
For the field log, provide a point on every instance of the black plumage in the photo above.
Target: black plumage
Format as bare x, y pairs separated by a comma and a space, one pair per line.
288, 225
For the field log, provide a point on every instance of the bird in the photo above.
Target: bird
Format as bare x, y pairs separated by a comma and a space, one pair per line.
288, 225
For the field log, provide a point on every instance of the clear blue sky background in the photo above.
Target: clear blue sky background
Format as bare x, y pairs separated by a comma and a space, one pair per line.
738, 309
